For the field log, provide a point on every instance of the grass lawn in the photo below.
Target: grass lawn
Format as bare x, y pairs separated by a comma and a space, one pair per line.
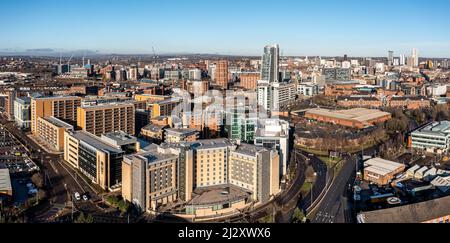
313, 151
330, 162
306, 188
366, 145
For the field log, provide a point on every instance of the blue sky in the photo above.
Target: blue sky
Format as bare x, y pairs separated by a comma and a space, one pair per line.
301, 27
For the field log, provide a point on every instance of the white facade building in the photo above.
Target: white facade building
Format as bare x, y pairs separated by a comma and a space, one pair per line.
274, 133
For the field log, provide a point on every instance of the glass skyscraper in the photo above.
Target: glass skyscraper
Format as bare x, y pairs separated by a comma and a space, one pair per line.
270, 60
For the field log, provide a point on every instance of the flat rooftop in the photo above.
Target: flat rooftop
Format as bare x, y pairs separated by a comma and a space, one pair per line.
412, 213
175, 131
209, 196
435, 128
108, 105
357, 114
5, 180
168, 101
155, 156
95, 141
57, 122
57, 98
211, 143
272, 128
153, 128
248, 149
120, 138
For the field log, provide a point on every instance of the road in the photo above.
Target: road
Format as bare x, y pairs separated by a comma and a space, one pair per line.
334, 207
62, 180
320, 183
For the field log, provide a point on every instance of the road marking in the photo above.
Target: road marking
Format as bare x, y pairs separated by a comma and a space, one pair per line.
82, 189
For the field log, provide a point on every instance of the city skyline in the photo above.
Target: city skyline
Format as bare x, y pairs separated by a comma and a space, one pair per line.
328, 28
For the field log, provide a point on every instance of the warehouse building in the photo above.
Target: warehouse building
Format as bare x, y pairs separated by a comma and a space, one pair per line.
412, 213
5, 182
356, 118
381, 171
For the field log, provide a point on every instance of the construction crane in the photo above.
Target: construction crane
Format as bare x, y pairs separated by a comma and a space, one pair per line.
154, 54
68, 62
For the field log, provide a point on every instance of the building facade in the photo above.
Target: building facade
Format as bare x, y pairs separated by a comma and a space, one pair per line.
221, 76
106, 118
22, 112
433, 137
51, 130
274, 134
255, 169
270, 64
95, 158
63, 108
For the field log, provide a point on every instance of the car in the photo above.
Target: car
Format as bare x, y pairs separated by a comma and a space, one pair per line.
85, 198
77, 196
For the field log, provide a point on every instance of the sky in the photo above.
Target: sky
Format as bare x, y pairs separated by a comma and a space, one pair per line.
229, 27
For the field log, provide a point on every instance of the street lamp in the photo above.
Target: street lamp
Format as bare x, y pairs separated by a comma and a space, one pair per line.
312, 186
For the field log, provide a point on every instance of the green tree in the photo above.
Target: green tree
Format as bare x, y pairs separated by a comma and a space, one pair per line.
298, 216
82, 219
440, 113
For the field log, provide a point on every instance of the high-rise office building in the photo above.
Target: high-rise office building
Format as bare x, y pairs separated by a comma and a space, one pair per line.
270, 63
445, 64
133, 73
390, 58
106, 118
402, 60
415, 57
221, 75
63, 108
195, 74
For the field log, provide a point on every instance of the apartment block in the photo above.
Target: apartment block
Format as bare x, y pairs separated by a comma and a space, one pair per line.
63, 108
150, 178
150, 98
173, 135
51, 130
211, 162
221, 75
165, 107
255, 169
106, 118
249, 80
153, 133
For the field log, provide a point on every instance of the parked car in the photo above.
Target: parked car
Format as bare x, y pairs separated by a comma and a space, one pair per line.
77, 196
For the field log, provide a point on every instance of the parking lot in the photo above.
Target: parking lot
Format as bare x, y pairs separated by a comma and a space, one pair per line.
14, 156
